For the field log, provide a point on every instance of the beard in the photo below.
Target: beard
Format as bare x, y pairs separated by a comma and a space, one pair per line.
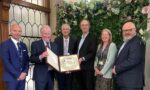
126, 38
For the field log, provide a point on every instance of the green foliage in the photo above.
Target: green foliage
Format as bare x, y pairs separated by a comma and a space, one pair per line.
102, 15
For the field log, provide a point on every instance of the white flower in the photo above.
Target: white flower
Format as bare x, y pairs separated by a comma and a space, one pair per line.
119, 2
74, 22
128, 1
141, 31
91, 6
71, 1
115, 10
66, 21
86, 16
147, 29
101, 1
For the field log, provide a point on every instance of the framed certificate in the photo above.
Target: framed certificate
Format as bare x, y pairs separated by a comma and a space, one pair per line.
63, 63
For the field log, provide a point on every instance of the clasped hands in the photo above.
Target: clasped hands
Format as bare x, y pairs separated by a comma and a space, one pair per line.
98, 72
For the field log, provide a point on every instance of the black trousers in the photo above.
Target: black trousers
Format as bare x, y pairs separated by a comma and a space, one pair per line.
46, 85
64, 81
85, 79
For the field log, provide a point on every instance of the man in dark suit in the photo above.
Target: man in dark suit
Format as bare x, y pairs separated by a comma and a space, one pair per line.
15, 59
66, 45
129, 65
43, 73
86, 52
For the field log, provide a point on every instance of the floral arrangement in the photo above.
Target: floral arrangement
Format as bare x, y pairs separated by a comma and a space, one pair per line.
102, 14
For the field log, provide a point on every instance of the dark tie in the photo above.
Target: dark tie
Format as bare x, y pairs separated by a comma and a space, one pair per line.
48, 45
20, 54
19, 49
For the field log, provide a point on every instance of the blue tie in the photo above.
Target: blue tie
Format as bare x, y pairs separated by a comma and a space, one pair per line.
20, 54
19, 50
48, 45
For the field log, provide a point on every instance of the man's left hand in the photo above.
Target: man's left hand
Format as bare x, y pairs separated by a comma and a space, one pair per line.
22, 76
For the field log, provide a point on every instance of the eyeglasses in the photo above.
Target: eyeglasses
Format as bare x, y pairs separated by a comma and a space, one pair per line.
128, 30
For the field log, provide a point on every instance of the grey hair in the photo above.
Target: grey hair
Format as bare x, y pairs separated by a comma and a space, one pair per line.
67, 25
45, 26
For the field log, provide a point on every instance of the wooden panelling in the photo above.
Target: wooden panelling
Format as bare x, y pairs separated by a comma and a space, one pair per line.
4, 18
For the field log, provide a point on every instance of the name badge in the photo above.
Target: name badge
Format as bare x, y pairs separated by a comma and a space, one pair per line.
101, 62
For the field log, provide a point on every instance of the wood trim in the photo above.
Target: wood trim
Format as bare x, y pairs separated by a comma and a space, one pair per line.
4, 19
30, 5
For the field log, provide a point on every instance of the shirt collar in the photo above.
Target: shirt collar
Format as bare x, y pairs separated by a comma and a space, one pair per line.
66, 39
14, 40
84, 35
45, 43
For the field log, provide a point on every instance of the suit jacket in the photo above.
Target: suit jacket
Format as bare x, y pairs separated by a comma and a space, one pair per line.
41, 67
88, 51
60, 43
130, 64
107, 69
13, 65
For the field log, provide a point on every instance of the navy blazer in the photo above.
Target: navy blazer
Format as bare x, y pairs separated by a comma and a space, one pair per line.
60, 44
41, 67
130, 64
13, 65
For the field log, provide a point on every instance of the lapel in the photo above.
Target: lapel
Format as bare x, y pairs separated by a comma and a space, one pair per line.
126, 46
42, 45
13, 47
52, 46
70, 45
85, 41
62, 44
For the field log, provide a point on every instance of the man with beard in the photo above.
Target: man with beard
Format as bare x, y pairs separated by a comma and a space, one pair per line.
129, 65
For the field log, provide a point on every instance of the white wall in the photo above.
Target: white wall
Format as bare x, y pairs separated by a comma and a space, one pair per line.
147, 60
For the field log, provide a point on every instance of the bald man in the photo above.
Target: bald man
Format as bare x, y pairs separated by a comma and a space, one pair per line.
129, 65
15, 59
43, 73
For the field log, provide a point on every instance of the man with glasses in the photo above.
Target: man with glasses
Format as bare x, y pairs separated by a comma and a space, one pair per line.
129, 65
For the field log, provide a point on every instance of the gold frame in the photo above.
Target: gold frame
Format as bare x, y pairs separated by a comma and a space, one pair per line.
69, 63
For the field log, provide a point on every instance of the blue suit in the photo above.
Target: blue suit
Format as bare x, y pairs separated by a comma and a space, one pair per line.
14, 65
130, 65
44, 78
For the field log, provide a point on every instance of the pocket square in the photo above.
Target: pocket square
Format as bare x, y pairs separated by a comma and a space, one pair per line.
24, 50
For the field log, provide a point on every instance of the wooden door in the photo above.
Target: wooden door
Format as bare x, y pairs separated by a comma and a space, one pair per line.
4, 19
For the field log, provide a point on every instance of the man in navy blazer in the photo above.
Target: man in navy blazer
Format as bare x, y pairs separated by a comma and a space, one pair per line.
43, 73
66, 45
15, 60
129, 65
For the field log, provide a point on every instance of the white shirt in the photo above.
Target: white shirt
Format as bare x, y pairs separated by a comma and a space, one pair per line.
15, 42
81, 41
122, 46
